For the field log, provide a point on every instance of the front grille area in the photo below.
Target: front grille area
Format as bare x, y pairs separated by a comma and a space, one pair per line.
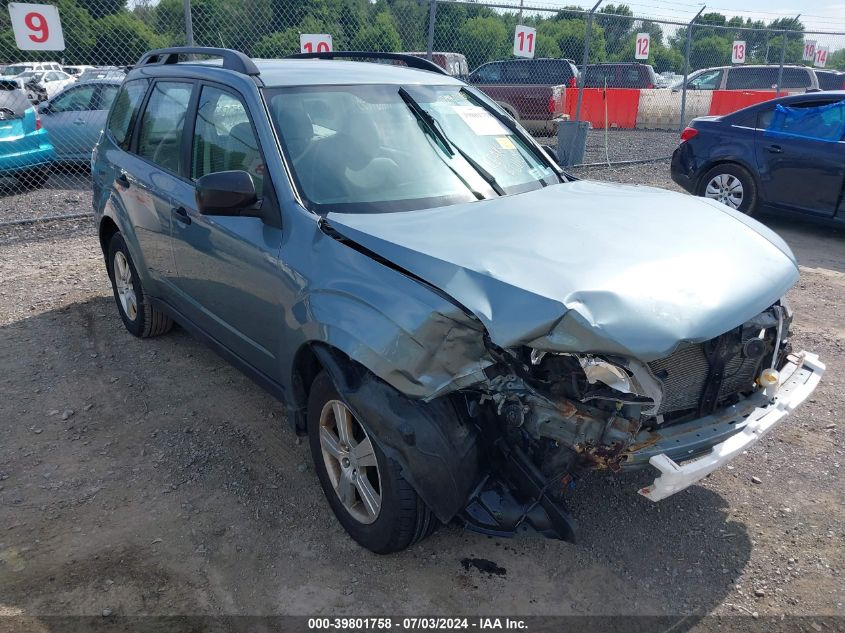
685, 372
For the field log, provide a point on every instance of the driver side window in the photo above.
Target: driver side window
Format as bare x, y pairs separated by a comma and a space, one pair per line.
707, 81
74, 100
160, 136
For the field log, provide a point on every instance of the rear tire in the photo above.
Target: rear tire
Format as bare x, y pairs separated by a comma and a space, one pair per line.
139, 316
402, 518
732, 185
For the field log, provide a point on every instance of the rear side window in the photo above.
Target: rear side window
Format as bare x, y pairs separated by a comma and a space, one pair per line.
125, 110
224, 139
162, 123
752, 78
537, 72
488, 74
796, 78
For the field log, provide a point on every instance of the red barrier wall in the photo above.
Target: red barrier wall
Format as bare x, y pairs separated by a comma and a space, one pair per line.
622, 105
727, 101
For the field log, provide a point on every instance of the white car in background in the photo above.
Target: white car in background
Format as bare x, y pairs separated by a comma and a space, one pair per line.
52, 82
76, 71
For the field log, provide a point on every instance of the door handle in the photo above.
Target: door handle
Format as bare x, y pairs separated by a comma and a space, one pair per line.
774, 149
79, 122
181, 215
122, 179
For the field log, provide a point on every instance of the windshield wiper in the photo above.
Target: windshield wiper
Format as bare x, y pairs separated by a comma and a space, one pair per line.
449, 147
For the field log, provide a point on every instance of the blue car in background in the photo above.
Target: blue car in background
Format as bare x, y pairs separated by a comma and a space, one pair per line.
25, 148
786, 156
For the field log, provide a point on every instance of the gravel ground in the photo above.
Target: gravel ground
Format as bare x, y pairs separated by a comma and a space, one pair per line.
150, 477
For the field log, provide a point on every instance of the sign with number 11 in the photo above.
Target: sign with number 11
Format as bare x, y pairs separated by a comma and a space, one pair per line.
524, 41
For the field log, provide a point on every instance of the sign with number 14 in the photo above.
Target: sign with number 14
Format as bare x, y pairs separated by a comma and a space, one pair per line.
524, 41
37, 27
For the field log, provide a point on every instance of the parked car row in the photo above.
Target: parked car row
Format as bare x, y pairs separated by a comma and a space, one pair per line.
62, 129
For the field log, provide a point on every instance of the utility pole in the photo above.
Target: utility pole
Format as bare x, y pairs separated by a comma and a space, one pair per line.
686, 68
189, 24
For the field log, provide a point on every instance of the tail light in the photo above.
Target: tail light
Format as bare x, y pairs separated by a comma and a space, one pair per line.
551, 105
688, 133
573, 82
37, 122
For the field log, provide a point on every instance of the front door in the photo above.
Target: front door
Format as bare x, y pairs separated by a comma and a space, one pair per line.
229, 282
798, 170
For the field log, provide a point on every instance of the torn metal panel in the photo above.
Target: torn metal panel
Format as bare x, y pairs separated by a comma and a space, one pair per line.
550, 270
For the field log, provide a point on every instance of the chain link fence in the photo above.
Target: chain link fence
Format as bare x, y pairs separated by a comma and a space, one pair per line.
587, 66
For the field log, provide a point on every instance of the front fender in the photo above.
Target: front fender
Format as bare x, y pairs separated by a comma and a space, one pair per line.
437, 451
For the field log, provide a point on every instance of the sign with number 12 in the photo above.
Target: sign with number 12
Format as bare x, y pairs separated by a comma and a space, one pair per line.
524, 41
738, 52
642, 46
37, 27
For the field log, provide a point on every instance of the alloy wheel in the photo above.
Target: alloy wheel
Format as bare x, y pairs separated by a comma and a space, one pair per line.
350, 462
125, 287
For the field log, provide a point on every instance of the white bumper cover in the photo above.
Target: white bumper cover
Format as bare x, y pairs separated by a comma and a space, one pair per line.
799, 378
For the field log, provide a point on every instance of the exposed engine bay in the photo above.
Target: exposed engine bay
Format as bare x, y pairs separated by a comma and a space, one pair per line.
556, 414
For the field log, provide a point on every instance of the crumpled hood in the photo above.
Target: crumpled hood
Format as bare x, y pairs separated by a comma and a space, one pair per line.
589, 267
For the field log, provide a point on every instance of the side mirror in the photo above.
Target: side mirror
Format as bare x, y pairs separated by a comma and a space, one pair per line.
44, 108
551, 151
229, 193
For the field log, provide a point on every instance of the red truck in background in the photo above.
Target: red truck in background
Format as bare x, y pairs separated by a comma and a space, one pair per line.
533, 91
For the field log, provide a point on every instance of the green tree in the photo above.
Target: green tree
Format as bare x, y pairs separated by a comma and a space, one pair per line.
617, 22
565, 38
101, 8
121, 39
381, 36
277, 44
483, 40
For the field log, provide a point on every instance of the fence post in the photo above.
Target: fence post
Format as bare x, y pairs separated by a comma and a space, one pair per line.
783, 58
682, 122
189, 24
585, 59
432, 16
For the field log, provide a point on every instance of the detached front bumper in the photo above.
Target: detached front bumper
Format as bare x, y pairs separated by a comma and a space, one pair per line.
799, 378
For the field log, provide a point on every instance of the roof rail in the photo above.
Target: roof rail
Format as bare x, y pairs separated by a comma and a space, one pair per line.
410, 60
232, 59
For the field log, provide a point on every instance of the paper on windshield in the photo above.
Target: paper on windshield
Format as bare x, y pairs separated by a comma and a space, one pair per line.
480, 120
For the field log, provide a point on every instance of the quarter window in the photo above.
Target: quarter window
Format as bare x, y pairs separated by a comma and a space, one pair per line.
162, 124
125, 110
224, 139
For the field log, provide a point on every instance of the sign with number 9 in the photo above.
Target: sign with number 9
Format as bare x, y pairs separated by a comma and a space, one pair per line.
37, 27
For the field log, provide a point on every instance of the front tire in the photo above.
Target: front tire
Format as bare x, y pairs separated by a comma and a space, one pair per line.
376, 506
732, 185
139, 316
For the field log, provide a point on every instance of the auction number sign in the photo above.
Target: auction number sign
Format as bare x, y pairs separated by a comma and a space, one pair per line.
809, 51
315, 43
738, 52
642, 46
524, 41
37, 27
821, 56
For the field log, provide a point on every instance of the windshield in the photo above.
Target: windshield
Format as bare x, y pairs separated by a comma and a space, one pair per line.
11, 71
376, 148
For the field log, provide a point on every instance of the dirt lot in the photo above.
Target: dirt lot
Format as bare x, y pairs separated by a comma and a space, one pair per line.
149, 477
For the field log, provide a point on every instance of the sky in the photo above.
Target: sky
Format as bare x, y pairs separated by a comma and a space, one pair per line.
821, 15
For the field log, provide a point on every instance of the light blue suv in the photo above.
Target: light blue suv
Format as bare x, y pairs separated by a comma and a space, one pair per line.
459, 327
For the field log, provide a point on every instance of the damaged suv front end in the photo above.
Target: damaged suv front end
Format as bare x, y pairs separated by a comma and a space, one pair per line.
582, 326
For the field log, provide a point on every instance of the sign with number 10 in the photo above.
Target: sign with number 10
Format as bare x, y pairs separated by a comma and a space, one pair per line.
37, 27
524, 41
642, 46
738, 52
809, 50
315, 43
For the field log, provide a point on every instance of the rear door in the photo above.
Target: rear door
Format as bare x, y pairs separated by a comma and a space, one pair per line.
801, 173
228, 278
68, 119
